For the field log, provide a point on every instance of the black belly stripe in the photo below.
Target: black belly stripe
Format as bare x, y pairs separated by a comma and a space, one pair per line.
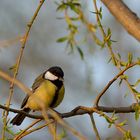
54, 100
59, 85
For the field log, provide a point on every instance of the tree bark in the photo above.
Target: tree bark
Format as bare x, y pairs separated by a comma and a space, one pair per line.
125, 16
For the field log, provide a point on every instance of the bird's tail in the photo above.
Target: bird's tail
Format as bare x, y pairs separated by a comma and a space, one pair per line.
18, 119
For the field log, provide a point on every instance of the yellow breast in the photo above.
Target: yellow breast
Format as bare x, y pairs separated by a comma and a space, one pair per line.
44, 94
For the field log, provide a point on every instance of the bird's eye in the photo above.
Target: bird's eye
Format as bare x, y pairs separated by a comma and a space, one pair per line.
50, 76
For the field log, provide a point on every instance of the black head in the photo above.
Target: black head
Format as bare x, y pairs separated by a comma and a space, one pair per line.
57, 71
54, 73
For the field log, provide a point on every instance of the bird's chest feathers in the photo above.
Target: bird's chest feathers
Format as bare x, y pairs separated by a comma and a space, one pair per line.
44, 94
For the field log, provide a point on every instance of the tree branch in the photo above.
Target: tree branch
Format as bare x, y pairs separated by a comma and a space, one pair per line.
80, 110
125, 16
111, 82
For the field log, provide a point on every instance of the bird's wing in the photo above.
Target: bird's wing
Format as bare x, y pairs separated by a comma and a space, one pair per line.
37, 82
35, 85
24, 101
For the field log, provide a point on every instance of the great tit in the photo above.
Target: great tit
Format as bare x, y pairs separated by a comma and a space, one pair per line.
47, 88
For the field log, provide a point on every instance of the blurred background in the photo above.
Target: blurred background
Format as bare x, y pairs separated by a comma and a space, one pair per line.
84, 79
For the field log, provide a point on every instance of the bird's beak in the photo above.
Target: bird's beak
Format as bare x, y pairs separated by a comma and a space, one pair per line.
61, 79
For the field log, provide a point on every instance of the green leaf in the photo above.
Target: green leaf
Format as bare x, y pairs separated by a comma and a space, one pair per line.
135, 91
113, 41
63, 134
74, 8
10, 131
137, 109
108, 120
123, 63
123, 123
100, 13
137, 83
137, 115
128, 136
112, 120
120, 82
108, 36
80, 52
62, 39
13, 68
138, 59
93, 12
124, 77
109, 32
109, 42
109, 126
114, 61
61, 7
74, 18
109, 60
119, 55
69, 21
130, 57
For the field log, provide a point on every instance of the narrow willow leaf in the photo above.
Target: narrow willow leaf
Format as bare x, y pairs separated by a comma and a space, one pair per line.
13, 68
93, 12
119, 55
109, 32
130, 57
108, 120
123, 63
109, 126
120, 82
124, 76
109, 60
137, 83
61, 7
136, 108
62, 39
113, 40
128, 136
123, 123
135, 91
74, 18
100, 13
138, 60
80, 52
63, 134
74, 8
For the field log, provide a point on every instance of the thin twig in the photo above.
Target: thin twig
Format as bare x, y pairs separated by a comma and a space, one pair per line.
94, 109
113, 56
34, 129
80, 110
18, 137
18, 64
94, 127
105, 109
66, 125
111, 82
16, 82
51, 127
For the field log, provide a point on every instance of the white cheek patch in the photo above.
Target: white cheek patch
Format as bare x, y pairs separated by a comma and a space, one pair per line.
50, 76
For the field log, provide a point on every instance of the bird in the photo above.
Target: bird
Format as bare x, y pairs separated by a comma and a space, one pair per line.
48, 88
